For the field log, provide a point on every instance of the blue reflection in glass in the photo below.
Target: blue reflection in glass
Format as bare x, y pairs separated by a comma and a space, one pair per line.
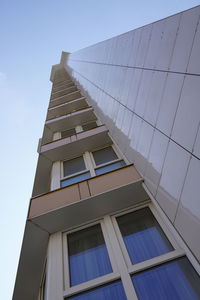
110, 167
88, 255
114, 291
176, 280
142, 235
75, 179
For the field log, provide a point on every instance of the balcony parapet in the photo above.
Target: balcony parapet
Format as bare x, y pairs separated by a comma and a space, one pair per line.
66, 98
67, 207
61, 82
67, 121
75, 145
62, 87
90, 198
63, 92
66, 108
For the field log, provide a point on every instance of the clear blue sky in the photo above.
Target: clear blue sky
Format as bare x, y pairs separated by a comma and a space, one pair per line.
32, 35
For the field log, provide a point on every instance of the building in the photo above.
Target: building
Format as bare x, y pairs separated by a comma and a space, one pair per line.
115, 211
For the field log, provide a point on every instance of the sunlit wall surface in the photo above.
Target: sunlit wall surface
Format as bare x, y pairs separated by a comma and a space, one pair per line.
145, 85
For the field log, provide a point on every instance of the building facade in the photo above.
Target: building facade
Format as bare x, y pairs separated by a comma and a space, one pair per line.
115, 210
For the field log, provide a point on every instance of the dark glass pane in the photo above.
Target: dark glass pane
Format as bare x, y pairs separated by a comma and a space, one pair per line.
176, 280
88, 256
89, 126
75, 179
111, 167
68, 133
73, 166
142, 235
104, 155
113, 291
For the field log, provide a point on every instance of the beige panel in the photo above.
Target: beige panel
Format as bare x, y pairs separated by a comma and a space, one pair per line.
54, 200
112, 180
84, 190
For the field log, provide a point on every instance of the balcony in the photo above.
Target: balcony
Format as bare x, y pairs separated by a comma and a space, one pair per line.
64, 99
62, 86
75, 145
64, 149
87, 200
70, 206
67, 121
63, 92
61, 83
66, 108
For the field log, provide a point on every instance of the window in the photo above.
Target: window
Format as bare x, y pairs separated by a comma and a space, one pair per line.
90, 164
79, 128
87, 254
73, 166
142, 235
95, 259
176, 280
106, 160
89, 126
74, 170
111, 291
68, 133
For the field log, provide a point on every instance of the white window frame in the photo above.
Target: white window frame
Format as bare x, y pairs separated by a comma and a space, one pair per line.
122, 271
62, 177
43, 285
78, 129
90, 163
134, 268
120, 158
119, 257
87, 285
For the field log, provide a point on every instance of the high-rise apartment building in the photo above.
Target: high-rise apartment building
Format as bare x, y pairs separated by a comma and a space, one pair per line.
115, 210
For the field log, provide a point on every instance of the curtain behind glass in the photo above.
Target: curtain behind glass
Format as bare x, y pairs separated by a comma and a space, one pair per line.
75, 179
88, 256
176, 280
73, 166
104, 155
142, 235
110, 167
112, 291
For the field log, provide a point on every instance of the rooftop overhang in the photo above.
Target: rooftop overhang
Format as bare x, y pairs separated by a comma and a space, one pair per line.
60, 66
70, 206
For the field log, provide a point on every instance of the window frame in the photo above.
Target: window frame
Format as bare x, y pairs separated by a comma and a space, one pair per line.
43, 285
62, 177
134, 268
79, 128
87, 285
120, 158
90, 163
122, 269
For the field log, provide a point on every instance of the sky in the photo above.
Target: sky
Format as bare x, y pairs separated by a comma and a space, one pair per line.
33, 33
